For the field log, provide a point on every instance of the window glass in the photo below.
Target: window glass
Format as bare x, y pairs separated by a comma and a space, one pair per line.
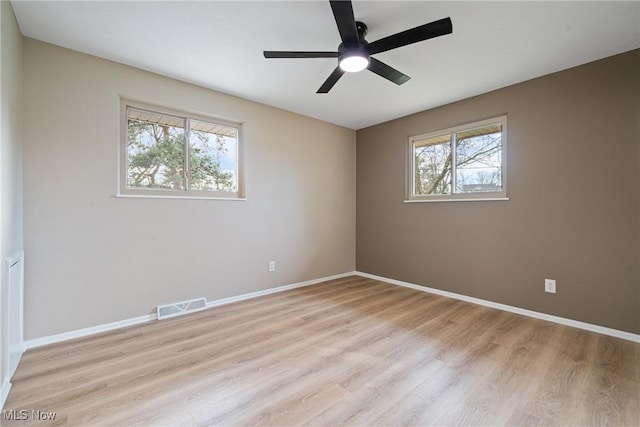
479, 160
155, 151
213, 159
432, 159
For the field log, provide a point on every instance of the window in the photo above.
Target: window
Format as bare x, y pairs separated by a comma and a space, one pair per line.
168, 154
462, 163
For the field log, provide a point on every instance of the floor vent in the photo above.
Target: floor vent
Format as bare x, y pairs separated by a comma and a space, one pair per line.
180, 308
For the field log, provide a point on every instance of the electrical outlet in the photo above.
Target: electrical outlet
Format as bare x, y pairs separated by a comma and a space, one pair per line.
550, 286
272, 266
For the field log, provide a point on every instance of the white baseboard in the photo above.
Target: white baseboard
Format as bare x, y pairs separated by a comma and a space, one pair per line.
79, 333
256, 294
4, 393
530, 313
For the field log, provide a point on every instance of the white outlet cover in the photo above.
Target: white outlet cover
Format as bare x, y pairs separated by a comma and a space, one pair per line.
550, 286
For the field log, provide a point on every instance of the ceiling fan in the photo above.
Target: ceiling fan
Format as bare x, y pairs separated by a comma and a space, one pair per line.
354, 53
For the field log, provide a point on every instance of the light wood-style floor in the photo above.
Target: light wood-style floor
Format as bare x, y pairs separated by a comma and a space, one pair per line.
352, 351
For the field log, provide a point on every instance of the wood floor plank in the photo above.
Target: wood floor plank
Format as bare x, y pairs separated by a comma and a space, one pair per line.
350, 351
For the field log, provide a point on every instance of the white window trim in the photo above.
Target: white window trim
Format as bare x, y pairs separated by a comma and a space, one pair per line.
410, 197
123, 192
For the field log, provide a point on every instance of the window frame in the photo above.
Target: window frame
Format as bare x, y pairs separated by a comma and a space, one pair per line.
411, 196
141, 192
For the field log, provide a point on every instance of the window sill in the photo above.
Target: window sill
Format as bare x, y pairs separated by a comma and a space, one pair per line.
484, 199
155, 196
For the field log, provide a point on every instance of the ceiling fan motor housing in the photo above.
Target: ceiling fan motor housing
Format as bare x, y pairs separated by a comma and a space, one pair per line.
354, 54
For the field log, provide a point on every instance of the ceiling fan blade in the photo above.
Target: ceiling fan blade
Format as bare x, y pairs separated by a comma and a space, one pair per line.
414, 35
285, 54
389, 73
343, 14
333, 78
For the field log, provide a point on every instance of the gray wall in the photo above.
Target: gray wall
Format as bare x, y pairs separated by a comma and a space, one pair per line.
94, 259
10, 158
574, 185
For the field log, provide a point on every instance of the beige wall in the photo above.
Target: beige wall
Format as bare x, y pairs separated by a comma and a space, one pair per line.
574, 184
94, 258
10, 158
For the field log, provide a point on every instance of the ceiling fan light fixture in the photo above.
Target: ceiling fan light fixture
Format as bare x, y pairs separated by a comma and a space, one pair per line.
352, 63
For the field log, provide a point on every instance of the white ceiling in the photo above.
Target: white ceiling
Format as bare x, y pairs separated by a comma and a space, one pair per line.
219, 44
